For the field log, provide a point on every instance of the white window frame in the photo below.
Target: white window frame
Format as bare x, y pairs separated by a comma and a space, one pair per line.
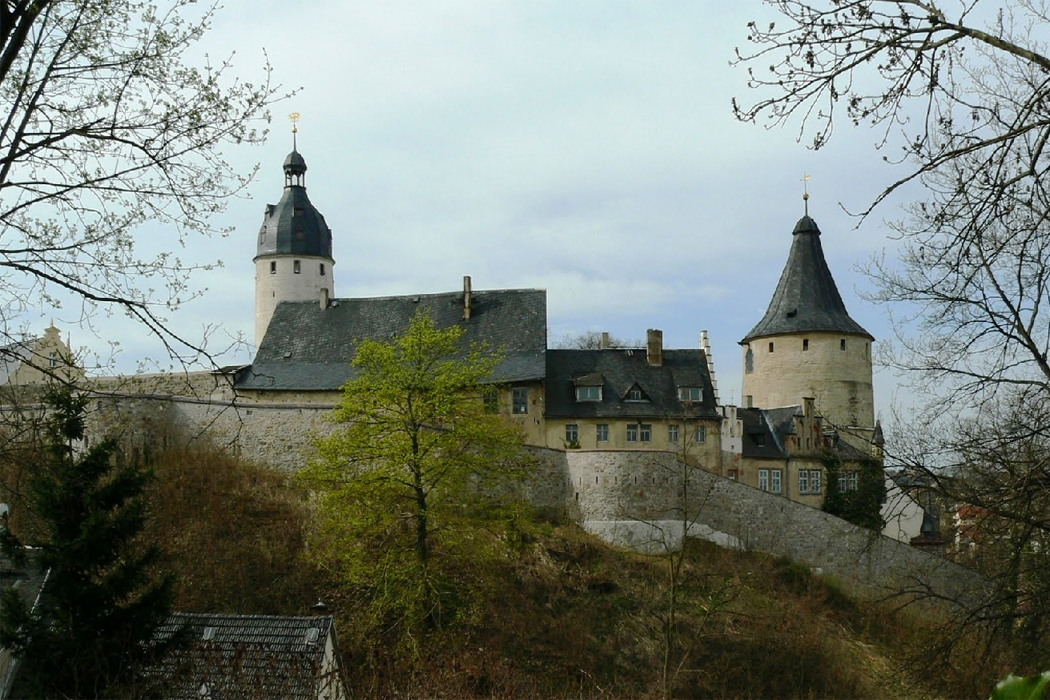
602, 432
700, 434
572, 433
632, 432
672, 433
776, 480
645, 432
815, 478
803, 481
583, 393
763, 479
690, 393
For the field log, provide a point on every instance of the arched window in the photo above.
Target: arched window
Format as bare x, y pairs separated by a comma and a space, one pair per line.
749, 361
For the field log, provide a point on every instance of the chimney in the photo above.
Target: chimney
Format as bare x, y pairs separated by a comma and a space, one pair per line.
749, 401
324, 298
466, 297
606, 341
654, 353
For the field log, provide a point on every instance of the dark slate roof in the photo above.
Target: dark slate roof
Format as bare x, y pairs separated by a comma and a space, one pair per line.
806, 298
294, 226
257, 656
764, 433
620, 369
307, 348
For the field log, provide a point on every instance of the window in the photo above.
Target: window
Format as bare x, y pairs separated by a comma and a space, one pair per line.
646, 432
805, 344
632, 432
759, 439
491, 398
635, 394
774, 479
689, 393
763, 479
296, 267
814, 481
803, 481
322, 269
672, 433
603, 432
847, 481
262, 237
700, 434
53, 360
588, 393
521, 399
273, 267
771, 346
842, 344
749, 361
572, 434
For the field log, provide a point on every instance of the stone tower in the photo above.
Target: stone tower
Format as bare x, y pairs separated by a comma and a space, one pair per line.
293, 261
808, 346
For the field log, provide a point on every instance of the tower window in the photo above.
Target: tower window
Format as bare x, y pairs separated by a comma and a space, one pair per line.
296, 267
842, 344
749, 361
273, 267
322, 269
771, 346
805, 344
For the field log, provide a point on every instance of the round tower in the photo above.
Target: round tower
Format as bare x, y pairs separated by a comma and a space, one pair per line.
293, 261
807, 345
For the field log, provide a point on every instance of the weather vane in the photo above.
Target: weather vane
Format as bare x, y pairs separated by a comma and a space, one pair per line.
805, 192
294, 118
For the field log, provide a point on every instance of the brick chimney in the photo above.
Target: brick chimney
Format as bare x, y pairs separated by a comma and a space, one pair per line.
654, 352
466, 297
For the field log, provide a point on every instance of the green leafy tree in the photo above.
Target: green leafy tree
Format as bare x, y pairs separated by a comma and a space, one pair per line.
92, 627
417, 476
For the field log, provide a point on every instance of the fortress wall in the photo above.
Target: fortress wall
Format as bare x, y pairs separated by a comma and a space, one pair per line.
625, 496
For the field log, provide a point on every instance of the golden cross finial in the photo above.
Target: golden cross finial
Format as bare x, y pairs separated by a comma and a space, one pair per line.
294, 118
805, 192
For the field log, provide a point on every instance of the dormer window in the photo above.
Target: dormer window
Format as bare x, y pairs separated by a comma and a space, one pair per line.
588, 393
690, 393
635, 393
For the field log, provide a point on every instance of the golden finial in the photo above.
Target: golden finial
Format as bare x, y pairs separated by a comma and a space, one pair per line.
294, 118
805, 192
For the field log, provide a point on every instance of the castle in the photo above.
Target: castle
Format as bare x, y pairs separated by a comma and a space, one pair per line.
807, 365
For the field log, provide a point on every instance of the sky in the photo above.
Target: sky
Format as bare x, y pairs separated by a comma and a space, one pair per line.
587, 148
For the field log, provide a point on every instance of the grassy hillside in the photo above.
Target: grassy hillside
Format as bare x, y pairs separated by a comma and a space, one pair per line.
563, 616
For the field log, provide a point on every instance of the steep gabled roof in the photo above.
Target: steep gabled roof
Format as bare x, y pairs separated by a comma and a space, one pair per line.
257, 656
619, 370
806, 298
307, 348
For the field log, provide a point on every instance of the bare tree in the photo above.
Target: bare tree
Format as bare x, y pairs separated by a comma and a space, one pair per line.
105, 126
962, 90
593, 340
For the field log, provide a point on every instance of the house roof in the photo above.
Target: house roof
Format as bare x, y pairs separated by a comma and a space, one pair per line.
806, 298
294, 226
257, 656
308, 348
619, 370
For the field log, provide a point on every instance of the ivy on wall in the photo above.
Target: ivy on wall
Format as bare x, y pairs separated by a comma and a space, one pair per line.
862, 506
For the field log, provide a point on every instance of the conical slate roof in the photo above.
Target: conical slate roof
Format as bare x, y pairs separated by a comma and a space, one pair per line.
806, 298
294, 226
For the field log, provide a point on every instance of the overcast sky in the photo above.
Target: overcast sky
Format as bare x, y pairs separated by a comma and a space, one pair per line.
586, 148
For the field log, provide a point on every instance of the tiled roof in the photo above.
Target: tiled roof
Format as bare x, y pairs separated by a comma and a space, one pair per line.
294, 226
760, 438
237, 656
308, 348
806, 298
620, 369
